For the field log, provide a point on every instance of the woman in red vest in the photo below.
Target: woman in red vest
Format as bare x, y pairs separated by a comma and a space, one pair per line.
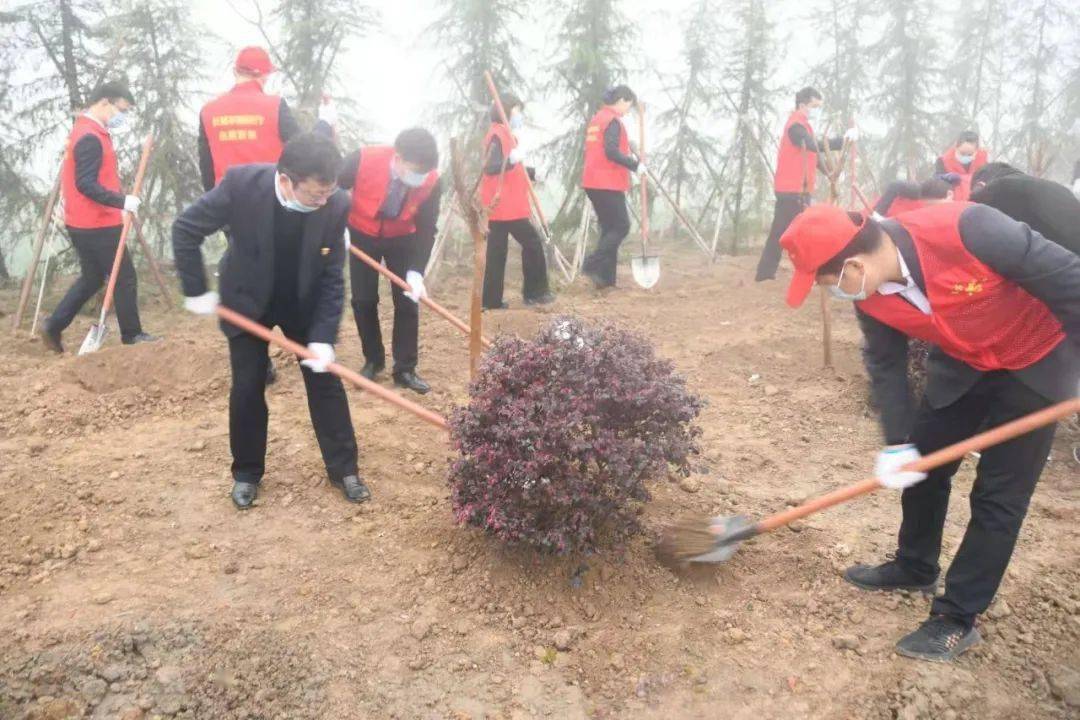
964, 159
1001, 306
504, 191
796, 173
395, 209
606, 178
93, 216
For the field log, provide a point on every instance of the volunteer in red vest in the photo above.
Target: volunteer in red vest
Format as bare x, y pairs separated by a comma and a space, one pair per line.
505, 191
901, 196
1001, 306
395, 209
93, 214
245, 125
606, 178
964, 158
796, 173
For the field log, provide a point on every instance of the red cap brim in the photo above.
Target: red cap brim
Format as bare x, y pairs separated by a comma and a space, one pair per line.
801, 285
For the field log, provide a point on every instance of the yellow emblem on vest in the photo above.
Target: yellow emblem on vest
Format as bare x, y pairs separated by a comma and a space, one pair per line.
326, 251
973, 287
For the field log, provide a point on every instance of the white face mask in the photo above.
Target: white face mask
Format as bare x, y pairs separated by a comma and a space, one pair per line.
840, 294
517, 121
118, 122
814, 114
290, 204
410, 178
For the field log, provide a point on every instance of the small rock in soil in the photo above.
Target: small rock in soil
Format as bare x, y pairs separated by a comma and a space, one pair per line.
420, 629
1065, 685
563, 640
846, 642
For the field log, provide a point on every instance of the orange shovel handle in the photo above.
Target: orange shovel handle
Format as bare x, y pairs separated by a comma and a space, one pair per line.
144, 159
260, 331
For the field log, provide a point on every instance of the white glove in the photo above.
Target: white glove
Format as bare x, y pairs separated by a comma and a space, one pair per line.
517, 155
641, 169
416, 283
204, 304
131, 204
888, 464
324, 355
852, 134
327, 112
1076, 187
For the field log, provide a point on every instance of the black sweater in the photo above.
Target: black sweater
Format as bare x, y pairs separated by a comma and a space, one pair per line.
88, 155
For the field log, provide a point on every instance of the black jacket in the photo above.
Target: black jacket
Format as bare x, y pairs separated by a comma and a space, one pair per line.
1044, 269
1048, 207
244, 201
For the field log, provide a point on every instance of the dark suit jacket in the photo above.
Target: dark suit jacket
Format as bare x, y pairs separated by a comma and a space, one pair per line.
1048, 207
244, 201
1013, 250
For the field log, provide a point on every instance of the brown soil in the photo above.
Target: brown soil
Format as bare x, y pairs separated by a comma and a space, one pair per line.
130, 587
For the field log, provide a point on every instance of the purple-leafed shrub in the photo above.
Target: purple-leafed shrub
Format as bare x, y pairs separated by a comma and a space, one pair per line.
563, 431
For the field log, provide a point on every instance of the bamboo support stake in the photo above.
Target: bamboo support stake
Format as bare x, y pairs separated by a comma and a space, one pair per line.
35, 257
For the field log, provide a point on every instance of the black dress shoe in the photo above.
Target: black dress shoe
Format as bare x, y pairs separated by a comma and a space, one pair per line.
409, 379
52, 340
545, 299
243, 494
501, 306
888, 576
372, 369
353, 488
140, 338
271, 373
598, 282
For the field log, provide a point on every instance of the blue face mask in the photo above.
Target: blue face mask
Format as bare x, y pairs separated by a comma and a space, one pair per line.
840, 294
290, 204
410, 178
119, 121
964, 159
517, 122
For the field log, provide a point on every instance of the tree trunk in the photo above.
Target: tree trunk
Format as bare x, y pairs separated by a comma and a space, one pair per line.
71, 72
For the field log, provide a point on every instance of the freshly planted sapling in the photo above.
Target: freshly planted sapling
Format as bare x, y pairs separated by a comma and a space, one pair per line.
563, 432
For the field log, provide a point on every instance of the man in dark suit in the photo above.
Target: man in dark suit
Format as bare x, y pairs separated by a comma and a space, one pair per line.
283, 267
1001, 304
1048, 207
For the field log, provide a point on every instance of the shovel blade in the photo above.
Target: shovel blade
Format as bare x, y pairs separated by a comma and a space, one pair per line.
646, 270
94, 339
729, 532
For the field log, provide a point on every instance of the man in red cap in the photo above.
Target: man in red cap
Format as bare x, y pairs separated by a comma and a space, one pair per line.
1001, 305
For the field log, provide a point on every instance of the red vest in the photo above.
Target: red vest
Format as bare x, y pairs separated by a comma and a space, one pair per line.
241, 127
511, 186
963, 191
369, 190
599, 173
977, 316
902, 205
796, 168
79, 210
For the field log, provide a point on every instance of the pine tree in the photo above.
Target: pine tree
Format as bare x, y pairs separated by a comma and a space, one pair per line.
477, 38
686, 152
842, 76
908, 57
162, 60
973, 75
593, 40
748, 72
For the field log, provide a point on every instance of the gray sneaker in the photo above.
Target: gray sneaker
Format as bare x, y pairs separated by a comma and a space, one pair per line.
939, 639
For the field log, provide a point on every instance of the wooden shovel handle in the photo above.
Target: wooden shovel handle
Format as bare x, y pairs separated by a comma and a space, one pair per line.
144, 159
643, 178
260, 331
392, 277
977, 443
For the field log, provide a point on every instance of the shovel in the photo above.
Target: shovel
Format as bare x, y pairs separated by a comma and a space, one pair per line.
99, 330
646, 269
717, 539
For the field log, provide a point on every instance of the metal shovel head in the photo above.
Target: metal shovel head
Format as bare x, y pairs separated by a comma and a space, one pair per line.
93, 340
730, 531
646, 270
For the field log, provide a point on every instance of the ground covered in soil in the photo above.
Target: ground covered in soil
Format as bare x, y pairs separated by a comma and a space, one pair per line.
131, 588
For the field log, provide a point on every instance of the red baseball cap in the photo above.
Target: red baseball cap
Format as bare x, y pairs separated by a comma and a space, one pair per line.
815, 237
254, 60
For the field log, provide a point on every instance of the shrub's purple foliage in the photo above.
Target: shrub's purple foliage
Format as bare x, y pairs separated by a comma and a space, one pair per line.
562, 432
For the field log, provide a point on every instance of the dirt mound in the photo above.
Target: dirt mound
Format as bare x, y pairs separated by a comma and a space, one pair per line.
174, 670
171, 363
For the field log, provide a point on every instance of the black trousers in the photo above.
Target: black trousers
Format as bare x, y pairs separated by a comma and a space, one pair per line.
788, 205
96, 250
248, 415
398, 253
533, 263
1004, 482
614, 219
